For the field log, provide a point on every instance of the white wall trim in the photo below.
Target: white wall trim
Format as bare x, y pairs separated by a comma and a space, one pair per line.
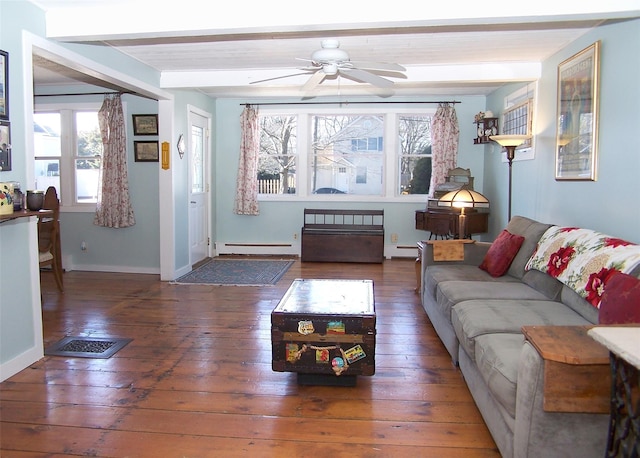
15, 365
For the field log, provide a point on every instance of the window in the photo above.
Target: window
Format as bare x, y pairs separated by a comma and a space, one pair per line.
347, 143
414, 154
278, 151
517, 118
68, 151
362, 153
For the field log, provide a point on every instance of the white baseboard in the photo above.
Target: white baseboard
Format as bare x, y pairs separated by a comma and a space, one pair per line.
20, 362
118, 269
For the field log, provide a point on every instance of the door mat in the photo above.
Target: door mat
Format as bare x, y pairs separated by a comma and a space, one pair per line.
237, 272
87, 347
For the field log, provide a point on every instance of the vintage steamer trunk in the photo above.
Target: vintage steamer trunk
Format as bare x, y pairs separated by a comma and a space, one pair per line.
325, 330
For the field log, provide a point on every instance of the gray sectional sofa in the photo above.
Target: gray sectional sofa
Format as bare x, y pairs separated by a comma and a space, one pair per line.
479, 318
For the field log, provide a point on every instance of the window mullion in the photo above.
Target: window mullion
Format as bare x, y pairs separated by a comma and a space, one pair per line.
67, 174
391, 154
304, 152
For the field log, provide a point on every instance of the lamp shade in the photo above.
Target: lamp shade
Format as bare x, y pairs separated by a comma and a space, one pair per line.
510, 140
463, 198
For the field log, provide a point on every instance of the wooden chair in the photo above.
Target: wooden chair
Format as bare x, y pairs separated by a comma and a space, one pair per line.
49, 237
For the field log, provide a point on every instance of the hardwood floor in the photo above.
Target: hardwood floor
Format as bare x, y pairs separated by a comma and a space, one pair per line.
196, 381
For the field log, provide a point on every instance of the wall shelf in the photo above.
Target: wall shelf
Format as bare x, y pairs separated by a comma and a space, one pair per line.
484, 129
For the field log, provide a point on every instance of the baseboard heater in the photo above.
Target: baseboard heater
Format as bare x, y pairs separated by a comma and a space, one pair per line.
257, 248
259, 244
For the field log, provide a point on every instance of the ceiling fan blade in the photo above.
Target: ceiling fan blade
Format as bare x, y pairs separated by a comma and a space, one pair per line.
378, 66
315, 79
279, 77
365, 77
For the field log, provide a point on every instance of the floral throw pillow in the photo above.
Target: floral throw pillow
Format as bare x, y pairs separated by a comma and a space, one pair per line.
501, 253
583, 259
621, 300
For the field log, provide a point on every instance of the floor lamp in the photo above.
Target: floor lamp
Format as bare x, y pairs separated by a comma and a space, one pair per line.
463, 198
510, 142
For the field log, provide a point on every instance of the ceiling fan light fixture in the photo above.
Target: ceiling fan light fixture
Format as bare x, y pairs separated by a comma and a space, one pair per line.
330, 69
329, 55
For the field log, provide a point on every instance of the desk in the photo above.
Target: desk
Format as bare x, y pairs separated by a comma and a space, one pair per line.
623, 343
443, 222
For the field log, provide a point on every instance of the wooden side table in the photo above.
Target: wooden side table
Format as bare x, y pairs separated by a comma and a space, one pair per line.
443, 250
576, 369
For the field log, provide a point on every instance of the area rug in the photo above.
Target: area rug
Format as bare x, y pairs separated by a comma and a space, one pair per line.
87, 347
237, 272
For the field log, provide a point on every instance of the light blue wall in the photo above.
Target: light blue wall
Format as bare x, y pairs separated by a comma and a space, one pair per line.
20, 334
134, 248
184, 99
16, 296
279, 221
610, 204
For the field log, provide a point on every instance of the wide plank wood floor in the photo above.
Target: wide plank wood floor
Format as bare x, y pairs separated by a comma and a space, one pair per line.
196, 380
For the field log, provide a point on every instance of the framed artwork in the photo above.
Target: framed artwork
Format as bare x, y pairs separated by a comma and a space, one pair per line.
146, 124
4, 85
577, 116
5, 146
145, 151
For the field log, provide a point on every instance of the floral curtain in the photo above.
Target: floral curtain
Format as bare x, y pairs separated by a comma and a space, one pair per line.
444, 144
246, 202
114, 205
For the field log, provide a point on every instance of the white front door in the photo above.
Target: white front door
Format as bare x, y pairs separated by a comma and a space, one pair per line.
198, 155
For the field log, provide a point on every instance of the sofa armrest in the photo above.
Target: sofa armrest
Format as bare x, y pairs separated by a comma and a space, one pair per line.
473, 253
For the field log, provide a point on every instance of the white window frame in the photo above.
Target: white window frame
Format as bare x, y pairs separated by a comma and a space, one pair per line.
525, 96
391, 187
68, 149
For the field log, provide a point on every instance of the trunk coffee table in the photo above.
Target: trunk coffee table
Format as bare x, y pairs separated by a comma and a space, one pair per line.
325, 330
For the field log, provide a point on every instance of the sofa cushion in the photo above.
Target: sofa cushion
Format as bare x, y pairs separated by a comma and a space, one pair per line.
621, 301
475, 318
435, 274
497, 357
578, 304
503, 249
544, 283
583, 259
531, 231
450, 293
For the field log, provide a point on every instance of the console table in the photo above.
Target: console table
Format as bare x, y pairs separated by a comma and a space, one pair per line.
443, 222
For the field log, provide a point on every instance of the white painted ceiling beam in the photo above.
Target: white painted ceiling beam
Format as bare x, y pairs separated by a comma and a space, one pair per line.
432, 74
123, 19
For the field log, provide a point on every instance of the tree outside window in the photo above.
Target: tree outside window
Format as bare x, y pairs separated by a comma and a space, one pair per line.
415, 154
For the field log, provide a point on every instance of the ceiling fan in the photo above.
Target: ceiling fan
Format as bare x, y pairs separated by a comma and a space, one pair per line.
330, 61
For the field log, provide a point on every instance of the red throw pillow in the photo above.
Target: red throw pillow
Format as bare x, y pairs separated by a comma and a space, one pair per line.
621, 300
501, 253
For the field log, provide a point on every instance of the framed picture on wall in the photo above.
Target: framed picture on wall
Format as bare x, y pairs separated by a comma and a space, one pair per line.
145, 124
4, 85
577, 116
5, 146
146, 151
